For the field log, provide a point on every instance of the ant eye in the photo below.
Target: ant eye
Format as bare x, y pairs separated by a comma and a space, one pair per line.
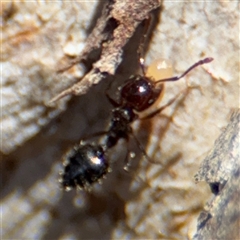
160, 69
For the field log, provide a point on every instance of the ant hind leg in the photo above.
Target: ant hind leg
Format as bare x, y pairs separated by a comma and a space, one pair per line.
143, 150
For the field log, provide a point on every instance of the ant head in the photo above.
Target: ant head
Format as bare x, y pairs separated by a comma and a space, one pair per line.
86, 164
139, 92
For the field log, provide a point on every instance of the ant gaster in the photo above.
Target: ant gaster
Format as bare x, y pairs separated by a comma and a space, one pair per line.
87, 163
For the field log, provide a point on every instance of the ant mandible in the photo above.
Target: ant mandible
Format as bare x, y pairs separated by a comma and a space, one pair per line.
88, 163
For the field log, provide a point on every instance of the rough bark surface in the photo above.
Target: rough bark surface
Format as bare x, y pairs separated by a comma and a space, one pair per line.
221, 170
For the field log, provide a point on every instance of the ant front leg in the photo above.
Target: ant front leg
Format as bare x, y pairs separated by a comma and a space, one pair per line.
201, 62
170, 102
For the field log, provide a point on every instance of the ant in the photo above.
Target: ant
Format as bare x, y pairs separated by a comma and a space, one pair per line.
88, 163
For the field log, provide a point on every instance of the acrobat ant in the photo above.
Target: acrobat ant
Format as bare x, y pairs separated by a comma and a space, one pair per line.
88, 163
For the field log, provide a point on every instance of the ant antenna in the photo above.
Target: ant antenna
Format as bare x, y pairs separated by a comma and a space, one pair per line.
201, 62
140, 51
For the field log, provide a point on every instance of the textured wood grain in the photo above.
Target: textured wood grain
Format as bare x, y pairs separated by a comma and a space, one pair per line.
221, 170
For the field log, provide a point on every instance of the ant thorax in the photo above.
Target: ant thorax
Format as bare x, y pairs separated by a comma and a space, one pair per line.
120, 125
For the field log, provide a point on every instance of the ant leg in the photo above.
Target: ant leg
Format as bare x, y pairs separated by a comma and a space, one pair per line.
172, 79
171, 101
143, 150
111, 100
129, 156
